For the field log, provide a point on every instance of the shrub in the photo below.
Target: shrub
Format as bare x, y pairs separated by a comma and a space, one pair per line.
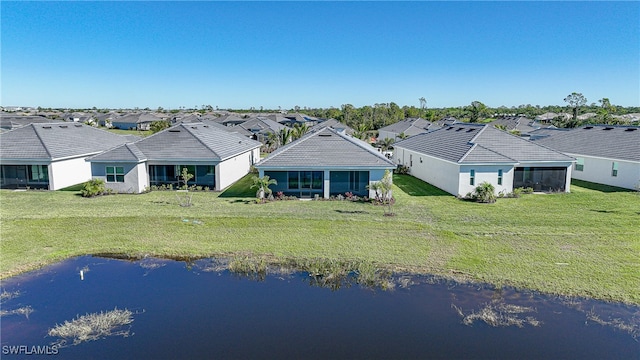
93, 187
401, 169
485, 193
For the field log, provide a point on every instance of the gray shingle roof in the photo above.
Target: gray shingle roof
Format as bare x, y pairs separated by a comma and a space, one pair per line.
56, 140
334, 124
261, 125
184, 142
410, 126
618, 142
473, 143
326, 148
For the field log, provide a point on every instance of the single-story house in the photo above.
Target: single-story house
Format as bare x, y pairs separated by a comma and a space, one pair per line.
9, 121
605, 154
408, 127
325, 163
135, 121
458, 158
259, 128
216, 159
51, 156
334, 124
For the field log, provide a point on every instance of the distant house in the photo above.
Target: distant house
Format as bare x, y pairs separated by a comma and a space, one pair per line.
458, 158
217, 158
520, 124
51, 156
334, 124
291, 120
10, 121
605, 154
135, 121
408, 127
325, 163
259, 128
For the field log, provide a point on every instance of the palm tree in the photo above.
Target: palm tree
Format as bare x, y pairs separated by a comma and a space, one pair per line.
262, 183
386, 144
362, 131
402, 136
285, 136
299, 130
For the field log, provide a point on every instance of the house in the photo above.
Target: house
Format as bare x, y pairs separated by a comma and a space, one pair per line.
135, 121
9, 121
334, 124
605, 154
216, 158
519, 124
325, 163
458, 158
259, 128
51, 155
407, 127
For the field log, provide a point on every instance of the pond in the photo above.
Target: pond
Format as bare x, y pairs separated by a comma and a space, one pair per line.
201, 309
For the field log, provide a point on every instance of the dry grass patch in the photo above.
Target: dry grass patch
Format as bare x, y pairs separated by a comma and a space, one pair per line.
91, 327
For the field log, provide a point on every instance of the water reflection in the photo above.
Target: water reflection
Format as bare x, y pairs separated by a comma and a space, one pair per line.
249, 307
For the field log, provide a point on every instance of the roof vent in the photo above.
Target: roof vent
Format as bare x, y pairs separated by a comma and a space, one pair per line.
449, 128
324, 135
78, 125
470, 130
63, 126
458, 129
174, 130
631, 129
608, 128
46, 127
588, 127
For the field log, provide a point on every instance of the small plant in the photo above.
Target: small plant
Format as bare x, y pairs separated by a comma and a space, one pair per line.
348, 195
186, 199
280, 195
93, 188
401, 169
262, 183
485, 193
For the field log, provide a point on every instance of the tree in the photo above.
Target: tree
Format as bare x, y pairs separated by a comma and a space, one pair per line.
158, 126
185, 176
262, 183
386, 144
423, 105
299, 130
284, 137
362, 131
385, 186
476, 110
605, 110
575, 101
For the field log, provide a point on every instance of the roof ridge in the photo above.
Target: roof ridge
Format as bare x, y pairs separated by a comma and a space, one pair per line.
200, 140
35, 129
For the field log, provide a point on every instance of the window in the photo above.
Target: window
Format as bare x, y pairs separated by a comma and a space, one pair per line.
410, 160
115, 174
354, 180
499, 176
472, 177
579, 164
614, 169
39, 173
293, 179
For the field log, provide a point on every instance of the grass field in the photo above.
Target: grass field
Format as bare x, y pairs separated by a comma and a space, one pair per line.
585, 243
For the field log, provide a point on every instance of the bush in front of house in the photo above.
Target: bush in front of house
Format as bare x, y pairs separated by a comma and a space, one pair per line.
93, 188
484, 193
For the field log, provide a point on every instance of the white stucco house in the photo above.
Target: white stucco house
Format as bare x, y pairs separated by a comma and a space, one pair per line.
216, 157
459, 157
51, 155
325, 162
605, 154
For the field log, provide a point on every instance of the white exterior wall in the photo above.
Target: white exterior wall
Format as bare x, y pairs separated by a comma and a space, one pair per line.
598, 170
488, 173
439, 173
143, 177
233, 169
64, 173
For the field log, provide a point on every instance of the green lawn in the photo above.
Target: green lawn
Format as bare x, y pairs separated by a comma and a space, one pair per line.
583, 243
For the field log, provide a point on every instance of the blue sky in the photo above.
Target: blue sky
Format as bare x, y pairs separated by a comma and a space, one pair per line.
317, 54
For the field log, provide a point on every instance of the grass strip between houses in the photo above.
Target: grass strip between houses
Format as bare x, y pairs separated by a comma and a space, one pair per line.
584, 243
